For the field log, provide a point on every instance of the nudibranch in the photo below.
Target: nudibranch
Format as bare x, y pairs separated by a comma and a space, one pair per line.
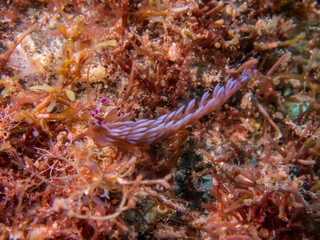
118, 129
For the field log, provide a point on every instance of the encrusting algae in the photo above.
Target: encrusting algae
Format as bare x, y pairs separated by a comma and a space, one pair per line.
159, 119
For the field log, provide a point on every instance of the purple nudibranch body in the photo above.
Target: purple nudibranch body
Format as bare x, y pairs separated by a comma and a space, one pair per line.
119, 130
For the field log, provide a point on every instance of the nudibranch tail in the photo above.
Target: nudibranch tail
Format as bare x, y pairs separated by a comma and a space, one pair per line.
143, 132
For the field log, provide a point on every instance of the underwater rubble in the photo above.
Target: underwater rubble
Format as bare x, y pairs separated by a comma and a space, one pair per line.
157, 119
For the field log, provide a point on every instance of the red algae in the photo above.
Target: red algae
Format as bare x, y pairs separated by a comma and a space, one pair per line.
248, 170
